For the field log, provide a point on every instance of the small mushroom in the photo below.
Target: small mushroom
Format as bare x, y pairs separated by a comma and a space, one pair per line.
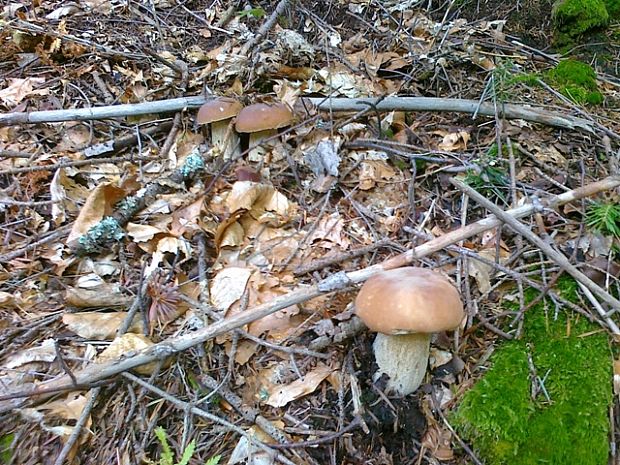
262, 121
219, 113
405, 306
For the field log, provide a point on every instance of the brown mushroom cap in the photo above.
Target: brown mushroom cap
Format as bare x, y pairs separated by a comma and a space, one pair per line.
409, 300
217, 110
262, 116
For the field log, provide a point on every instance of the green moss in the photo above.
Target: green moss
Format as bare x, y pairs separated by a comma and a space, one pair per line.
577, 81
507, 426
491, 179
6, 452
613, 8
574, 18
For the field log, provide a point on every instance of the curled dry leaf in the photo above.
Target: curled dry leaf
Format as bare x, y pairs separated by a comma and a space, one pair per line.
282, 395
228, 286
99, 326
104, 295
69, 408
373, 171
246, 452
330, 232
437, 441
259, 200
454, 141
44, 352
127, 345
19, 89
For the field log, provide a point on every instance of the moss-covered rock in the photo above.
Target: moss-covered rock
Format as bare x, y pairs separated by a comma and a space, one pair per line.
577, 81
574, 18
564, 424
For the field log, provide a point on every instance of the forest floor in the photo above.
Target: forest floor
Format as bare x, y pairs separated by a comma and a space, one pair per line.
167, 298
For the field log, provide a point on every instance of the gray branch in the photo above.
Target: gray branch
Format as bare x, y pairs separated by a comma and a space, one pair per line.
507, 110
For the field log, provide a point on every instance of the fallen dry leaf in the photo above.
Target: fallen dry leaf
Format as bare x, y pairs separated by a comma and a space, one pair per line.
124, 345
44, 352
19, 89
98, 325
100, 203
282, 395
228, 286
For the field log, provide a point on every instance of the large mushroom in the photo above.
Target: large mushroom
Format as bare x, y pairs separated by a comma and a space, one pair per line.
261, 121
405, 306
219, 113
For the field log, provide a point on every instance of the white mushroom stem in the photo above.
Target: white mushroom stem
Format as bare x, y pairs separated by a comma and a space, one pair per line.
404, 359
224, 136
257, 151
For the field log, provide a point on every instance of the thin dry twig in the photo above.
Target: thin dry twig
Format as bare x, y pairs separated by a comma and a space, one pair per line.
202, 413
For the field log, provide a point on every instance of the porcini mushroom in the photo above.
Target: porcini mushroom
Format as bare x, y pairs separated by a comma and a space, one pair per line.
219, 113
262, 120
405, 306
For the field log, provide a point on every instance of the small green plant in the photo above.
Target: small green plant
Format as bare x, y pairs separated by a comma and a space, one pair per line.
256, 13
604, 218
491, 180
167, 456
506, 76
577, 81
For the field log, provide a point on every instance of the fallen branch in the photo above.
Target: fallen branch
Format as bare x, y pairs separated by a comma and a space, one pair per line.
510, 111
101, 371
553, 254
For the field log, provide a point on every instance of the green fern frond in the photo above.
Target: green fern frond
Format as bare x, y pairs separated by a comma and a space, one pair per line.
604, 218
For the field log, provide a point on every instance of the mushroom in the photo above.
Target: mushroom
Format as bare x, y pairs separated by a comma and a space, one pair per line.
220, 113
262, 121
404, 306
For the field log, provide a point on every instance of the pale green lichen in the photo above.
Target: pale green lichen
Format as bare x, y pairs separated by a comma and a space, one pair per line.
127, 205
194, 163
107, 230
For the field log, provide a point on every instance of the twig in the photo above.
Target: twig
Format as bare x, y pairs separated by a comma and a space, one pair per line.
250, 414
325, 439
24, 203
509, 111
599, 308
119, 143
463, 444
556, 256
77, 429
101, 371
73, 164
54, 236
289, 350
50, 32
264, 29
321, 263
201, 413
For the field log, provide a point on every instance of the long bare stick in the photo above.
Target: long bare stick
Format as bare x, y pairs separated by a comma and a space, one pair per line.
507, 110
101, 371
